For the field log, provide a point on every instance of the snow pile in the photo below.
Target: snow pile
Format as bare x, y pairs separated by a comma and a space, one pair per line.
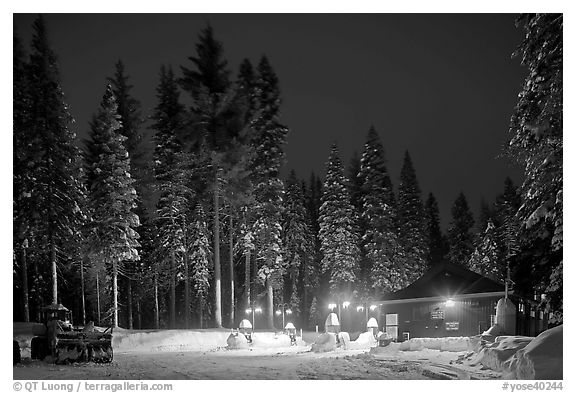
270, 340
496, 355
541, 358
364, 341
325, 342
344, 338
450, 344
237, 341
168, 340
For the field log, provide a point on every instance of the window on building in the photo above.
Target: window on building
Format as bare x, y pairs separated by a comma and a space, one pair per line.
392, 325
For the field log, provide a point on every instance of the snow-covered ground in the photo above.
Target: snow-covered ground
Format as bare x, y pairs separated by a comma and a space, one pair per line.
190, 354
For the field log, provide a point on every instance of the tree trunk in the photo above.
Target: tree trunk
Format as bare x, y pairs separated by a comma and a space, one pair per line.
231, 246
82, 290
98, 298
186, 291
156, 306
54, 272
270, 308
247, 282
217, 286
139, 312
24, 271
129, 300
172, 289
201, 312
115, 292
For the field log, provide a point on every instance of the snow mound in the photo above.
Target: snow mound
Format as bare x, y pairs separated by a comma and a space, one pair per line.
344, 338
325, 342
449, 344
237, 342
364, 341
270, 340
542, 358
496, 355
169, 340
389, 349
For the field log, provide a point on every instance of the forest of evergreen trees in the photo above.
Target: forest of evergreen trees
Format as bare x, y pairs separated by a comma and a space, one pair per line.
198, 225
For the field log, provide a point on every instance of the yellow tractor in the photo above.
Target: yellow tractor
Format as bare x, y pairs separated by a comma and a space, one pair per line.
66, 343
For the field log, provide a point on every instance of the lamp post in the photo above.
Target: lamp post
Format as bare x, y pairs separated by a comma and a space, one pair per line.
253, 311
283, 312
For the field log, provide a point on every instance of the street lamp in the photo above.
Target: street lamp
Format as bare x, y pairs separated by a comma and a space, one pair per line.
284, 311
253, 311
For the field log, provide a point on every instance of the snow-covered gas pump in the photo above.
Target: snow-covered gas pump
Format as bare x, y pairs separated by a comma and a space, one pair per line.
291, 331
246, 329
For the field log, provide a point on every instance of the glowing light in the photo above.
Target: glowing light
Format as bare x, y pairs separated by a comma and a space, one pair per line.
278, 312
258, 310
331, 306
345, 304
360, 308
449, 303
288, 311
248, 310
373, 307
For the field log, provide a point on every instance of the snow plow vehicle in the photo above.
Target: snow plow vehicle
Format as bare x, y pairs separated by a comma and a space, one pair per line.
66, 343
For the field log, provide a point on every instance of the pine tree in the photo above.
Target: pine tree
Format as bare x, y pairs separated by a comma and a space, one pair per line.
52, 180
537, 143
315, 315
436, 243
268, 141
487, 258
211, 134
339, 241
112, 197
460, 237
486, 214
411, 219
387, 270
21, 178
200, 258
129, 111
298, 243
171, 182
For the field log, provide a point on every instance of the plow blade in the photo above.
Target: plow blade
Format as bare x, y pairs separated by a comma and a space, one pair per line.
84, 348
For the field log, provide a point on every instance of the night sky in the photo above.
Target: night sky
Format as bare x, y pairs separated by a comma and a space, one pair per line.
441, 86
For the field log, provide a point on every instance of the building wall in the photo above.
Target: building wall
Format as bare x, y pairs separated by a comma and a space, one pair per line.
467, 317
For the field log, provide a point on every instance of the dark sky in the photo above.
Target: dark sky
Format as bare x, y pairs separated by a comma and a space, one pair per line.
442, 86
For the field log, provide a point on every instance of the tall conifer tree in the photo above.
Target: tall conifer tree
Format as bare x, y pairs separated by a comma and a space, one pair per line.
112, 197
460, 236
268, 143
53, 163
339, 241
411, 219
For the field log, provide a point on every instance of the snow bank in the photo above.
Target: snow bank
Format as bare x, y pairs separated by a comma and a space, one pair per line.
168, 340
450, 344
237, 342
542, 358
364, 341
496, 355
344, 338
325, 342
270, 340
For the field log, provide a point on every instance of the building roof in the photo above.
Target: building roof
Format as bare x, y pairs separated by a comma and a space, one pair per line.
447, 280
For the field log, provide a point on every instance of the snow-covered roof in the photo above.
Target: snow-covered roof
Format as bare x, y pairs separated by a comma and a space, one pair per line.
447, 280
290, 325
245, 324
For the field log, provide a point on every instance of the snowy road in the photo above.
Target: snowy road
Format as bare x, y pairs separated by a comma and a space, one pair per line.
242, 364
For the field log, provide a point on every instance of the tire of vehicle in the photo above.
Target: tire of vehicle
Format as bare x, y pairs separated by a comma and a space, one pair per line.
39, 348
17, 357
